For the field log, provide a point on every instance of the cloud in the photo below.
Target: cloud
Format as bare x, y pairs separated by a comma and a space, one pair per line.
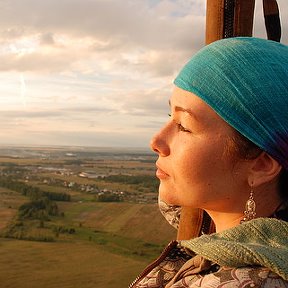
95, 71
47, 39
104, 30
68, 34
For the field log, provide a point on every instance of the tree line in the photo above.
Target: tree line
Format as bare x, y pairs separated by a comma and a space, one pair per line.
41, 207
42, 203
31, 191
147, 181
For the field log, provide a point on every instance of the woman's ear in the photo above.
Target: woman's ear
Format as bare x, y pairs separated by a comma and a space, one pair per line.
263, 169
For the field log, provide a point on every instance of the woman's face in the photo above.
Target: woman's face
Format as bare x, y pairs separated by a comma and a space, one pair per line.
194, 166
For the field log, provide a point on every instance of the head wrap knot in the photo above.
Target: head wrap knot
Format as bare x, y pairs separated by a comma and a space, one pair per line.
245, 81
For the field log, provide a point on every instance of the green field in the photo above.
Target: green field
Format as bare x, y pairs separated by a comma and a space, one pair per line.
111, 244
29, 264
85, 243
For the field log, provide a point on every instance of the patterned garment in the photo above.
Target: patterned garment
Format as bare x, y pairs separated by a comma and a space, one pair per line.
256, 277
254, 254
170, 212
162, 271
175, 271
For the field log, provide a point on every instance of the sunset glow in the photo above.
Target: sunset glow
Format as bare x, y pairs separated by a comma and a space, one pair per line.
95, 73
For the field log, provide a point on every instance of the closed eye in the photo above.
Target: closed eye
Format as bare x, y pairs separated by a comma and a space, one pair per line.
183, 129
179, 125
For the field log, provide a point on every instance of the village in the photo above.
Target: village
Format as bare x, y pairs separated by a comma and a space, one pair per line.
100, 175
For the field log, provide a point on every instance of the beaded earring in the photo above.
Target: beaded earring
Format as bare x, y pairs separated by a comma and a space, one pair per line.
250, 207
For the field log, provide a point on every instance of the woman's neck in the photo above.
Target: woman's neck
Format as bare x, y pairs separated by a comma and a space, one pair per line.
224, 220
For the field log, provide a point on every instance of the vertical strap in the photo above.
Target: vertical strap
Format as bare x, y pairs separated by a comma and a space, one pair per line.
272, 20
229, 18
243, 18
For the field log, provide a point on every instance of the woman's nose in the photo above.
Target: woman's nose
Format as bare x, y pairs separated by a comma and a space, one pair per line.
159, 144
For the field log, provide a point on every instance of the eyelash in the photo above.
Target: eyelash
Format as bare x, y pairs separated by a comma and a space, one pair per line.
180, 127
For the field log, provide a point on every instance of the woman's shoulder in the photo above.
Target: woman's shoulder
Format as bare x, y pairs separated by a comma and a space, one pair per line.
225, 277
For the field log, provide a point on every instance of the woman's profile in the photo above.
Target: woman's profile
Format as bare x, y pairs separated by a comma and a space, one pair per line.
224, 149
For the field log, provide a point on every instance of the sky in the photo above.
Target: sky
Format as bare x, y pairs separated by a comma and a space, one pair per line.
96, 72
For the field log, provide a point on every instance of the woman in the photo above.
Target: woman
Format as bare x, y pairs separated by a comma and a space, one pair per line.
225, 150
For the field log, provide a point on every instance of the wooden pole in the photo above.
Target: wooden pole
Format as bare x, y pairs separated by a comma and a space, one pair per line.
225, 15
214, 20
190, 223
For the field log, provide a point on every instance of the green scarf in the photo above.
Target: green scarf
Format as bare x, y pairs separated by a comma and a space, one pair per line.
261, 242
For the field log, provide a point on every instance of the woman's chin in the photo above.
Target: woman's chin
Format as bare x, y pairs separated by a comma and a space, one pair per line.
167, 196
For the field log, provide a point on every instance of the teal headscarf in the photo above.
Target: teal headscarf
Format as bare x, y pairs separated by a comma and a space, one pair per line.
245, 80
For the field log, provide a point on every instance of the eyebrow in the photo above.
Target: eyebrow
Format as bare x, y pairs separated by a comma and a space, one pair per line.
178, 108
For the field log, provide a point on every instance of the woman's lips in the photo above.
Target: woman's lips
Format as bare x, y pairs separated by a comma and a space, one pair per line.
161, 174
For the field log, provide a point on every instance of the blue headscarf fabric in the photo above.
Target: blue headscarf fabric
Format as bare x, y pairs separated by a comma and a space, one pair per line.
245, 81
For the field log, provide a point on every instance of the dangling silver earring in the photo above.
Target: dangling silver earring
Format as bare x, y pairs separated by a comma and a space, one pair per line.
250, 208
